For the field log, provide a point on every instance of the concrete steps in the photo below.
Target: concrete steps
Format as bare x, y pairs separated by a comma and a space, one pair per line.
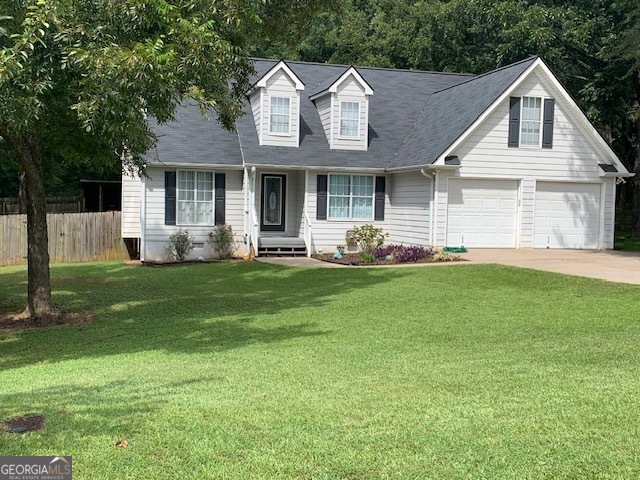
281, 246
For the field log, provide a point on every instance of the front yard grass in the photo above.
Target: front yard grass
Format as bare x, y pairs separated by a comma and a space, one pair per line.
248, 370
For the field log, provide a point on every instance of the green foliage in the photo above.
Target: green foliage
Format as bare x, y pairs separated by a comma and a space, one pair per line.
221, 240
444, 257
367, 257
367, 237
180, 245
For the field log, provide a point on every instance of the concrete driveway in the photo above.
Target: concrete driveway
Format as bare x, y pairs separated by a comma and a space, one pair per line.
611, 265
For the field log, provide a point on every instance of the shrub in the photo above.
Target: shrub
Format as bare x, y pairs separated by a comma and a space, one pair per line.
367, 237
221, 240
367, 257
444, 257
402, 253
180, 245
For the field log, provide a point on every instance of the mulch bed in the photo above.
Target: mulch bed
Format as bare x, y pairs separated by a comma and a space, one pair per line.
25, 424
355, 259
21, 321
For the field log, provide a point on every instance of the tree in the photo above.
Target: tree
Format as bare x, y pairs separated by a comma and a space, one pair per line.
80, 78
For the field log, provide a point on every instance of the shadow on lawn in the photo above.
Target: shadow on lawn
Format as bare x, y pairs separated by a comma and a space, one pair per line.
117, 409
190, 309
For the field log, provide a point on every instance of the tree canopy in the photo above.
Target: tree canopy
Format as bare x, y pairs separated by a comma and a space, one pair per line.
80, 79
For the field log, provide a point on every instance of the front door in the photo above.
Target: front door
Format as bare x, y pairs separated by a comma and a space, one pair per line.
273, 203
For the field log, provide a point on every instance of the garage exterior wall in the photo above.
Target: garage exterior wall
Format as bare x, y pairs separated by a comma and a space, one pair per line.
409, 217
485, 154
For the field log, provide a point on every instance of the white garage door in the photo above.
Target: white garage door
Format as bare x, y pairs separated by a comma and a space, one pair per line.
482, 213
567, 215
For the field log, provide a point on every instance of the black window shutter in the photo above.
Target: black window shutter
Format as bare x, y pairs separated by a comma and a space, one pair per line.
220, 199
547, 124
169, 198
514, 121
379, 199
321, 207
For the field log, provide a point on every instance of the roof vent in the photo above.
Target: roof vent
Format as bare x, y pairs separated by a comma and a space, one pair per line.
451, 160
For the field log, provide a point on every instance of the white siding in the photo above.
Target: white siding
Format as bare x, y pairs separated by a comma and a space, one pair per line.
323, 105
131, 206
280, 85
350, 91
328, 234
609, 212
157, 233
485, 154
409, 217
255, 109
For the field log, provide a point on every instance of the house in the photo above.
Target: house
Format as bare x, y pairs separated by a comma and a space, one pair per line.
501, 160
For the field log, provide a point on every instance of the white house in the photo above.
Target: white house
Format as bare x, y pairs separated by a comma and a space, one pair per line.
501, 160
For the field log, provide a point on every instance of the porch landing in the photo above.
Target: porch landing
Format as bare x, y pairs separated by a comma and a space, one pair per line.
281, 246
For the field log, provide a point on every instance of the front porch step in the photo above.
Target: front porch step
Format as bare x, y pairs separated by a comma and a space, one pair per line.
281, 246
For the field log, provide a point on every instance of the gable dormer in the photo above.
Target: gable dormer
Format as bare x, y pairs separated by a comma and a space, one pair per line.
275, 103
343, 106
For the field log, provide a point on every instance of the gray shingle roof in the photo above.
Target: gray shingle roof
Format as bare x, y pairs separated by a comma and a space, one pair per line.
393, 108
449, 113
192, 139
413, 117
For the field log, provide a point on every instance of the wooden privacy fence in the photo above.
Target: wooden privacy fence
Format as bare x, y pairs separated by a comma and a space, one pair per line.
73, 237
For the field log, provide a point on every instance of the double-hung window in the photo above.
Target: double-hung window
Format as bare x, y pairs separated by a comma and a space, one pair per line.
349, 119
195, 198
351, 197
531, 120
280, 117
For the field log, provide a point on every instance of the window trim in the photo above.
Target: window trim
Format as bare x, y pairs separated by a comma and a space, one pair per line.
540, 122
195, 197
350, 218
280, 134
349, 137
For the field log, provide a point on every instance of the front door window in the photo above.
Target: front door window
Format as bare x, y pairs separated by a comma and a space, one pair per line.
273, 193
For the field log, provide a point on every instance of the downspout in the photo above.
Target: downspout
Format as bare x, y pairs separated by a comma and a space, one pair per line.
431, 203
143, 215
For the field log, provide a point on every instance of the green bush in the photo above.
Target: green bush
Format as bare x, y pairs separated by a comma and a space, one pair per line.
368, 257
445, 257
179, 246
221, 240
367, 237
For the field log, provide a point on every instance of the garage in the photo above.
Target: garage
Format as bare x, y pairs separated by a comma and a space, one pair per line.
482, 213
567, 215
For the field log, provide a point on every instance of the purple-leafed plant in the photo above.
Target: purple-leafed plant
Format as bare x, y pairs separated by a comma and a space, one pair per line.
402, 253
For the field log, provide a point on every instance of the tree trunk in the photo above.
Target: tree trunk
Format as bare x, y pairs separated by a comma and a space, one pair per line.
39, 304
22, 194
635, 195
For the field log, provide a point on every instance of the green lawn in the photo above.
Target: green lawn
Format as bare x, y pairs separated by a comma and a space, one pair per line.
625, 241
246, 370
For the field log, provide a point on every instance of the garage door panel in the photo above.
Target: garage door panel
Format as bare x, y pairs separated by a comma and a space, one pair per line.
567, 215
482, 213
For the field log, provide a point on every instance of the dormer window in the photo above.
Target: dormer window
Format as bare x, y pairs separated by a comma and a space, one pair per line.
280, 116
350, 119
343, 105
275, 104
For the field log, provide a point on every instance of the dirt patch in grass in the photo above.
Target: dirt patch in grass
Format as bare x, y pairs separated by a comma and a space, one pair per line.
27, 423
10, 322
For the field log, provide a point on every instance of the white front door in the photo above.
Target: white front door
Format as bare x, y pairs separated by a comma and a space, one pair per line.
567, 215
482, 213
